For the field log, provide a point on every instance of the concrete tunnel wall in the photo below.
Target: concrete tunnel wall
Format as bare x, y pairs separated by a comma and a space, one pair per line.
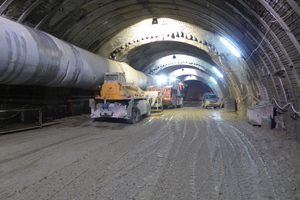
32, 57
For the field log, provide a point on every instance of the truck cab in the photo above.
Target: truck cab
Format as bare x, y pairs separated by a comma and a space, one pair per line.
115, 87
115, 77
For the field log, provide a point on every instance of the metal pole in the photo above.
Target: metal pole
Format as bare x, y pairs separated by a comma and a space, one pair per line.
40, 117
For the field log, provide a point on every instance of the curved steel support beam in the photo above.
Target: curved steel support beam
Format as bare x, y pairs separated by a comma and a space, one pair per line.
203, 77
32, 57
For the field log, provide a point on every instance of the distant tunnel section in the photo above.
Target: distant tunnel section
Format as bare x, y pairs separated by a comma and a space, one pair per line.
194, 90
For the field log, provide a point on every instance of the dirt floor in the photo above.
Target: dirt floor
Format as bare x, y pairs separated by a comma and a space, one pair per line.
186, 153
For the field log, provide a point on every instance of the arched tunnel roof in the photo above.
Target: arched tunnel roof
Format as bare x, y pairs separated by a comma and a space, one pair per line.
266, 34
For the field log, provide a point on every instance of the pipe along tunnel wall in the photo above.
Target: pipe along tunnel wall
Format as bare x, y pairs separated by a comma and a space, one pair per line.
32, 57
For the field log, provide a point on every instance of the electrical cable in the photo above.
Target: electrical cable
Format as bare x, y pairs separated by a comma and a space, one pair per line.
286, 106
263, 38
276, 20
286, 15
283, 108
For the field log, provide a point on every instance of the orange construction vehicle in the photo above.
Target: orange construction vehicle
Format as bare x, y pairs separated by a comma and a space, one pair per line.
119, 99
171, 90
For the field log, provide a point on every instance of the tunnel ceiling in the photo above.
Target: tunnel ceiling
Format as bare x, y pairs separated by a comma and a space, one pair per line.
165, 48
266, 32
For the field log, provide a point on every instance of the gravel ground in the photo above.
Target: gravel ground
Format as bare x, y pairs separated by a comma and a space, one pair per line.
186, 153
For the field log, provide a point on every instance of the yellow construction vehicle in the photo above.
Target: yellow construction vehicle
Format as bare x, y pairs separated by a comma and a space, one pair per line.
119, 99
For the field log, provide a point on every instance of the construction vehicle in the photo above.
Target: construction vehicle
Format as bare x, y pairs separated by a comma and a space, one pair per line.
121, 100
172, 96
156, 94
171, 90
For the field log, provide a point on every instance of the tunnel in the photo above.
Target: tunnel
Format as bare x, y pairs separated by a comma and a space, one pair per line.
54, 58
244, 50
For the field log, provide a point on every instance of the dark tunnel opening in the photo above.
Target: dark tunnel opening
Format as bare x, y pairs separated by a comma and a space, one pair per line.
195, 90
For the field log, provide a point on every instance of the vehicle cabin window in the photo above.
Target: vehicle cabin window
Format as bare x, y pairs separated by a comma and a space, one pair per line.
122, 78
115, 77
174, 91
210, 97
111, 77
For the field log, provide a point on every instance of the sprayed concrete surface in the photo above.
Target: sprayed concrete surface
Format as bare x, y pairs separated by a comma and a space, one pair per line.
186, 153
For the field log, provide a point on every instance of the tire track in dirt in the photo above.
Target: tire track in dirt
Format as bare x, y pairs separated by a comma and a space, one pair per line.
258, 169
115, 172
239, 164
195, 162
215, 161
115, 141
179, 173
180, 126
185, 153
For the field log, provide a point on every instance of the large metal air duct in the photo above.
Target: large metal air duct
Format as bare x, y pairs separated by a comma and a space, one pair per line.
32, 57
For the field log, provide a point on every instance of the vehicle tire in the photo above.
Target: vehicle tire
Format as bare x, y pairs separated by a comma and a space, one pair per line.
135, 116
148, 111
179, 106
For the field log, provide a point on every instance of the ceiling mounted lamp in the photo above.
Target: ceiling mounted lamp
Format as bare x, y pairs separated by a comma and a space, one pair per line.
218, 72
161, 79
154, 21
213, 80
231, 47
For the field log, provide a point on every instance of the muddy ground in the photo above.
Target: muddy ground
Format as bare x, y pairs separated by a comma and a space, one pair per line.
186, 153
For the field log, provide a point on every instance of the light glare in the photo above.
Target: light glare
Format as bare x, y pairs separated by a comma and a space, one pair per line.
161, 79
218, 72
213, 80
173, 79
228, 44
